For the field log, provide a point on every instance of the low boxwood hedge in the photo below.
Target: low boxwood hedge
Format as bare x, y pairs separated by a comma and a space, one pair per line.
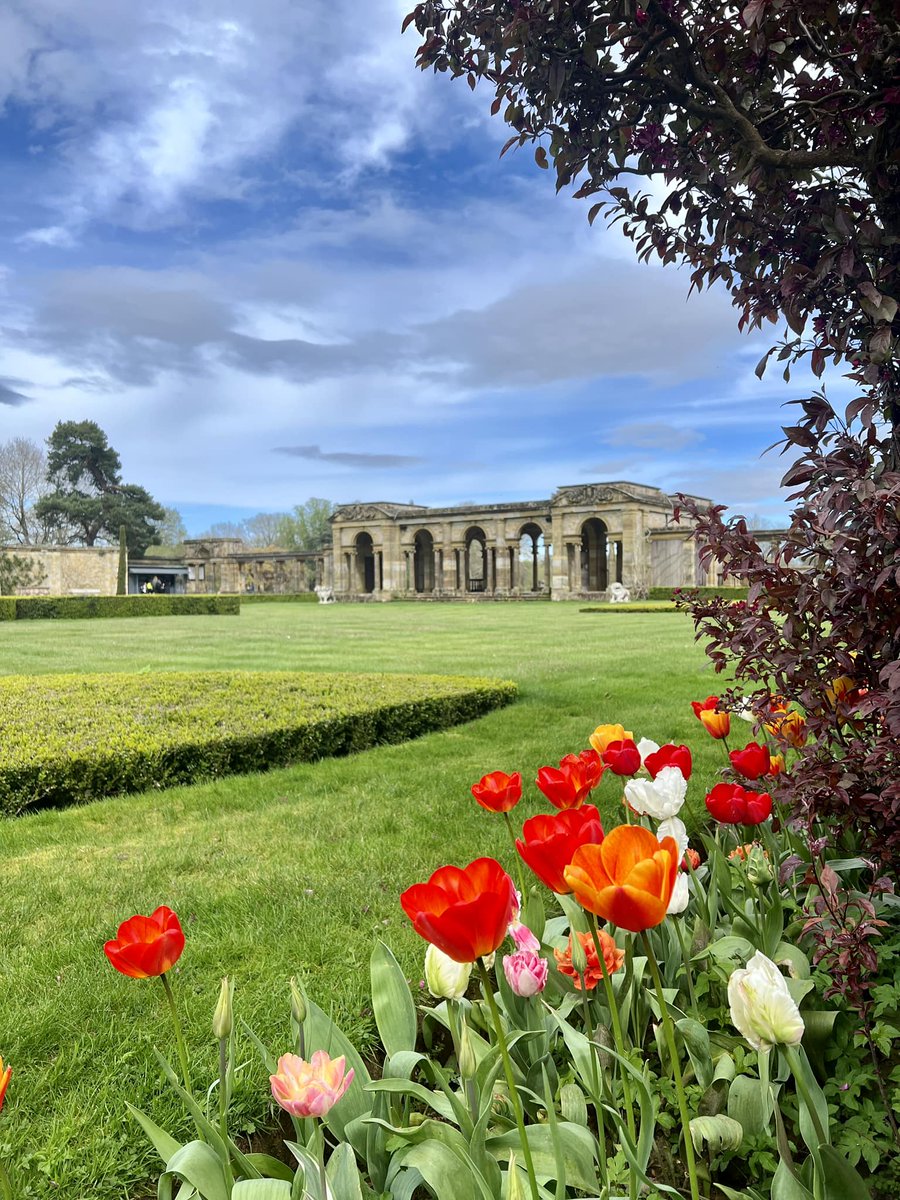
638, 607
279, 598
705, 593
66, 739
31, 608
7, 608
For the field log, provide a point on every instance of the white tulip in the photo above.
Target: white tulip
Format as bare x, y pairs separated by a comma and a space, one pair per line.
661, 797
446, 978
674, 827
762, 1008
681, 893
645, 747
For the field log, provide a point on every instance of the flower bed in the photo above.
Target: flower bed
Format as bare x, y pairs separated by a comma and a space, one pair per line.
71, 738
689, 1048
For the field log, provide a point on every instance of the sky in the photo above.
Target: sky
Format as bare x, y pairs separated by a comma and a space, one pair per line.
273, 260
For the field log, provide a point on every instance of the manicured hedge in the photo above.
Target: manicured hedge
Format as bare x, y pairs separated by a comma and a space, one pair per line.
7, 608
638, 607
66, 739
30, 608
278, 598
705, 593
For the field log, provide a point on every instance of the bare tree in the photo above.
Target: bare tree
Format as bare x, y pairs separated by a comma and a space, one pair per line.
23, 480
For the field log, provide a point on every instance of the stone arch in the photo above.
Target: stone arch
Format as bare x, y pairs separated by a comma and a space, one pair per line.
531, 555
423, 561
594, 556
364, 557
476, 559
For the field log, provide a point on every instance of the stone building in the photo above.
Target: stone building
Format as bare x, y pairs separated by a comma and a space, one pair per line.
572, 546
228, 565
69, 570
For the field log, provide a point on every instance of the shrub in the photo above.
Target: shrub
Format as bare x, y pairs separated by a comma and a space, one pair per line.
279, 598
73, 738
702, 593
645, 607
7, 608
30, 608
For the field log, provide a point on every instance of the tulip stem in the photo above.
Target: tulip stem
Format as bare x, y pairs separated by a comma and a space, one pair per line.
617, 1028
179, 1035
223, 1107
669, 1030
687, 964
488, 989
518, 861
797, 1071
595, 1083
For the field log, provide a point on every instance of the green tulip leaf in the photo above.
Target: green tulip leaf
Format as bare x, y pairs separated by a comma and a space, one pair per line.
322, 1034
445, 1173
261, 1189
271, 1168
578, 1148
392, 1003
748, 1105
840, 1180
719, 1133
786, 1185
163, 1143
198, 1164
343, 1174
696, 1039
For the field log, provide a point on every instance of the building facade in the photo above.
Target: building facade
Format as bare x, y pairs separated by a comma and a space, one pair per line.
575, 545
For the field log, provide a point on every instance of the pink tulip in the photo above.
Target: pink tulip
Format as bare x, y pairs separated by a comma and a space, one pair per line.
523, 937
526, 972
310, 1089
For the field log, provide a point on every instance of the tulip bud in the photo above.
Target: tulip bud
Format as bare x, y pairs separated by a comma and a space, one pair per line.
514, 1189
466, 1053
223, 1017
446, 978
759, 869
579, 957
298, 1003
762, 1009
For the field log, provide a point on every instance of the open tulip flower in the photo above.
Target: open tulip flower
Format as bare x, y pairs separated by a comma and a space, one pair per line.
464, 911
5, 1075
622, 758
669, 756
730, 804
613, 958
661, 798
628, 879
751, 762
548, 842
310, 1089
498, 792
569, 785
147, 946
526, 972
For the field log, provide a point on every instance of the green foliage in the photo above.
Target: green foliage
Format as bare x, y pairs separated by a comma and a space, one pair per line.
32, 608
122, 575
7, 608
307, 527
279, 598
704, 593
72, 738
88, 494
646, 606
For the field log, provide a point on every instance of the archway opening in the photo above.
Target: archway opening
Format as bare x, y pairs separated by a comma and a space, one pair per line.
423, 561
531, 564
365, 563
594, 551
476, 560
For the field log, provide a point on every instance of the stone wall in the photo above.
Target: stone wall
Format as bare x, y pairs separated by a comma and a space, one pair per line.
70, 570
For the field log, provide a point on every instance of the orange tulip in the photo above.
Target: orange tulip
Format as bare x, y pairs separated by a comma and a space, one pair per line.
716, 724
789, 727
147, 946
628, 879
4, 1081
613, 958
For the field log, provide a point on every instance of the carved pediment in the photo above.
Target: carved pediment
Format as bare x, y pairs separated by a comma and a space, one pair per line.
588, 493
359, 512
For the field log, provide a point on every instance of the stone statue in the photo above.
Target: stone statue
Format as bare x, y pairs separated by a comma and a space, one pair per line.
619, 594
325, 594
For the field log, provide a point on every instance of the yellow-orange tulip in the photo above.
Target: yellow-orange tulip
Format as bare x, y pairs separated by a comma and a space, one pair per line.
627, 879
604, 734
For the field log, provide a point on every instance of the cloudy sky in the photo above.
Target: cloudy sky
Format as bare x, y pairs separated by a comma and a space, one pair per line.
273, 260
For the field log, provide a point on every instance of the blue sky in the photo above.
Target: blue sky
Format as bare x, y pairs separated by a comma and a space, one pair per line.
273, 260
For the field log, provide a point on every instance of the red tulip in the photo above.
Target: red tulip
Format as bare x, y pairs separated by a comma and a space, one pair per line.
669, 756
569, 785
623, 758
628, 879
548, 842
710, 704
464, 911
751, 762
147, 946
498, 792
730, 804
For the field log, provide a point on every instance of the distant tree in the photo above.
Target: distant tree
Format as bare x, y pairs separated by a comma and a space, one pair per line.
264, 529
88, 495
23, 480
307, 526
224, 529
172, 530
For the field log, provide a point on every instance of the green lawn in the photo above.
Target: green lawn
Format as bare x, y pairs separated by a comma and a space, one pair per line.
295, 871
